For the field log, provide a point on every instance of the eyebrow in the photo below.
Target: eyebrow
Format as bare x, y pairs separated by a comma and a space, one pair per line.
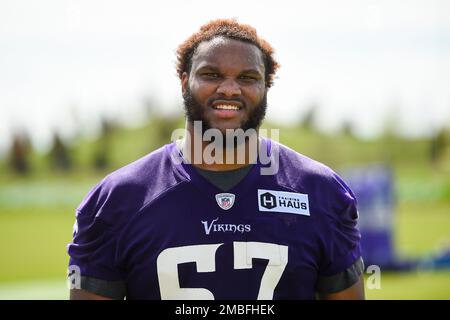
251, 71
208, 66
214, 68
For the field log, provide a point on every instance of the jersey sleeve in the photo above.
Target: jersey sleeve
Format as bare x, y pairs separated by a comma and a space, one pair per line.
342, 263
93, 248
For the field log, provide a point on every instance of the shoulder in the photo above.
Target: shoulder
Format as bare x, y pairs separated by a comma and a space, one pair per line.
305, 175
331, 202
126, 190
297, 170
330, 198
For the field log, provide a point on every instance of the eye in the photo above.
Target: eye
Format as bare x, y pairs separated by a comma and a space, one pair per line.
212, 75
248, 78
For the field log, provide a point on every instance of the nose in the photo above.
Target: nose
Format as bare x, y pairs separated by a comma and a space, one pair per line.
229, 88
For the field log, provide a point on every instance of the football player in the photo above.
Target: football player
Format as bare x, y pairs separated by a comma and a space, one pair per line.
169, 227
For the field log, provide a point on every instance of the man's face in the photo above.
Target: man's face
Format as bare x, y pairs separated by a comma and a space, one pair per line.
226, 85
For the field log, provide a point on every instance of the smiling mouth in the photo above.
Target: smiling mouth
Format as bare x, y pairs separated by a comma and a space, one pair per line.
226, 107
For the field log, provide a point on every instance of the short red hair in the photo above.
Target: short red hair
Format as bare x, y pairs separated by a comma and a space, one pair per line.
228, 28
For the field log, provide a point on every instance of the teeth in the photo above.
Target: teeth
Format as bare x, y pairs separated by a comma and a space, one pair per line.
226, 107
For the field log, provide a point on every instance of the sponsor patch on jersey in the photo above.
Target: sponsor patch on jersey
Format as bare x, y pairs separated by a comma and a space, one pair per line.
225, 200
281, 201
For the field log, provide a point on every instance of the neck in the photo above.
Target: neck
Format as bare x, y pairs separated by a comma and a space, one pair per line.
222, 153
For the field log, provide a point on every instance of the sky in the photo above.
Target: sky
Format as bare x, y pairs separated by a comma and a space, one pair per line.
65, 63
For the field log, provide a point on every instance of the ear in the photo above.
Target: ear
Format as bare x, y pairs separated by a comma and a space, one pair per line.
184, 82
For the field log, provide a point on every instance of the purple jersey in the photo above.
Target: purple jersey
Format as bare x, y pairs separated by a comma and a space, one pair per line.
165, 232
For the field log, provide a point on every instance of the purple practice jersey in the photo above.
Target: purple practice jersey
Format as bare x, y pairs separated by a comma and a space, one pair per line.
160, 230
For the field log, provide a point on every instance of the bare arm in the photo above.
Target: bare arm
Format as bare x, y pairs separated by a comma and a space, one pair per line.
355, 292
80, 294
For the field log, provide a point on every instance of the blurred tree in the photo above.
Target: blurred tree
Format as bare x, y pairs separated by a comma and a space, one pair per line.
164, 128
347, 128
60, 154
103, 148
390, 140
308, 121
20, 152
438, 144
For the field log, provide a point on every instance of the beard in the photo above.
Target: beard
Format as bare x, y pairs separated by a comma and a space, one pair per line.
194, 111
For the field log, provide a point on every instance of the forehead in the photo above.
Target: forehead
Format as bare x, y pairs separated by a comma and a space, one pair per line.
228, 53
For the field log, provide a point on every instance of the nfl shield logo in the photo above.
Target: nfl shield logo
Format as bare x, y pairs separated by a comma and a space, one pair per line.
225, 200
